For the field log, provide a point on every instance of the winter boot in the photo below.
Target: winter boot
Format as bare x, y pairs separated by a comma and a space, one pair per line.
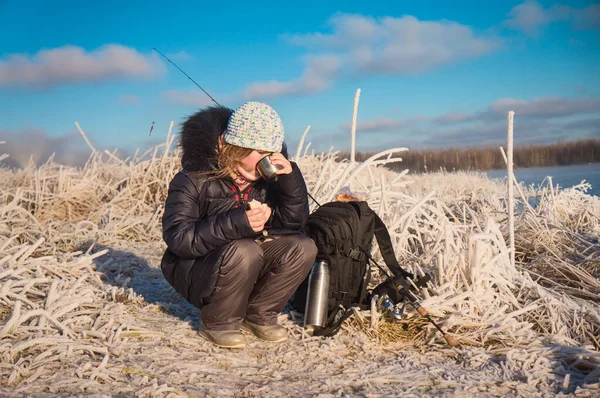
225, 338
273, 333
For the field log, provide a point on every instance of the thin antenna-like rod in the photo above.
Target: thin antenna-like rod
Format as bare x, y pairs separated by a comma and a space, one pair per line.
205, 92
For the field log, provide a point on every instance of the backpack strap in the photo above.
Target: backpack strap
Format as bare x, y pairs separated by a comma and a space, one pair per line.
355, 231
386, 248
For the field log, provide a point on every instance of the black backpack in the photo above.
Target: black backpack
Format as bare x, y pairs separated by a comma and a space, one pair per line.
343, 233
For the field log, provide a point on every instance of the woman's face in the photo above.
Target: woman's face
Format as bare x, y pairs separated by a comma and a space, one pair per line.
247, 166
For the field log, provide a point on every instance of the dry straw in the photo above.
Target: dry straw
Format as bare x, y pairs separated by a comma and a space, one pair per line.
84, 309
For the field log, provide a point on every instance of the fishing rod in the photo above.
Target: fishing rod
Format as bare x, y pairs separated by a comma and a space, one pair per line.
181, 70
401, 285
209, 96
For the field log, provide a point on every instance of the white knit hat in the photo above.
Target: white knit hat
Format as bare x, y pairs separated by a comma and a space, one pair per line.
255, 125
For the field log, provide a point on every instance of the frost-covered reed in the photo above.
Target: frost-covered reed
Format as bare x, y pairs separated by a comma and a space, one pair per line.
84, 309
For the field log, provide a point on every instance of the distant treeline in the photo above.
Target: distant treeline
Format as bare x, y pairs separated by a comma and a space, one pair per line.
559, 154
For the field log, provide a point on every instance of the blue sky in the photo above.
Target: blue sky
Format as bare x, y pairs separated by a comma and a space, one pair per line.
431, 73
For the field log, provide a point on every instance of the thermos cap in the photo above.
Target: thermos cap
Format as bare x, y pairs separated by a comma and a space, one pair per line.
322, 265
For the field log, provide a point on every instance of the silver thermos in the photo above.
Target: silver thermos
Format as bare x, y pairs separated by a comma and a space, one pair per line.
315, 312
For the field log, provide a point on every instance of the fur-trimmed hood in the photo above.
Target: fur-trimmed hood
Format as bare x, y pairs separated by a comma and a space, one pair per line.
199, 137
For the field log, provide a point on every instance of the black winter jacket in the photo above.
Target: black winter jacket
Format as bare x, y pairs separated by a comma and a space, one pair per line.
202, 216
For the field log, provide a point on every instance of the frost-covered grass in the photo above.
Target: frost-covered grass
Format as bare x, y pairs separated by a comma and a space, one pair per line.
84, 308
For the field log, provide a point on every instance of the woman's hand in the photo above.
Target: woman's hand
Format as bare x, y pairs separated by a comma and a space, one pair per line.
258, 217
285, 167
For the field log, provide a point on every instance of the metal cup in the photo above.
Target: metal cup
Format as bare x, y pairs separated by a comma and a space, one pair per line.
267, 170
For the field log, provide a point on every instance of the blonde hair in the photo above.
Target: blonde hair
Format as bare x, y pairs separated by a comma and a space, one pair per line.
228, 157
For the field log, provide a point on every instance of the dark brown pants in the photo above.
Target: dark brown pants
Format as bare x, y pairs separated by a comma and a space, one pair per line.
256, 279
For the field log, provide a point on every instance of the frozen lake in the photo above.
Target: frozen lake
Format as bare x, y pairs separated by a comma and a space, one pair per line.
565, 176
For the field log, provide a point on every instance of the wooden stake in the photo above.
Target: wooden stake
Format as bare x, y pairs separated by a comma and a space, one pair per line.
510, 182
353, 129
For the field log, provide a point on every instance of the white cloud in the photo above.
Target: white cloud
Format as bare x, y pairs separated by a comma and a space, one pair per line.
318, 75
383, 124
452, 117
407, 45
536, 108
591, 125
380, 124
363, 45
37, 145
531, 17
402, 45
587, 18
349, 31
526, 131
543, 107
384, 46
71, 64
539, 120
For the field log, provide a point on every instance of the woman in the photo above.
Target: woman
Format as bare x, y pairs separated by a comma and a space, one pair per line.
238, 265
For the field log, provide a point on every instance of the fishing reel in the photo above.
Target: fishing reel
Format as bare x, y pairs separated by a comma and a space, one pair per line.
393, 293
